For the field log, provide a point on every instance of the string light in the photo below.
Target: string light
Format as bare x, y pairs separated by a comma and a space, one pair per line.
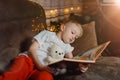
37, 26
62, 9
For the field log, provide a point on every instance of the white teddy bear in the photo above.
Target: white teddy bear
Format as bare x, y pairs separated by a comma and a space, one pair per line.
56, 54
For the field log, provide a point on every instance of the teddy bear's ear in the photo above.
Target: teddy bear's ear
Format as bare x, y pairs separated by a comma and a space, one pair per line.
54, 47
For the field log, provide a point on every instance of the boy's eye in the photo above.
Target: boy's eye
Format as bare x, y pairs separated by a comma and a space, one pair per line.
72, 32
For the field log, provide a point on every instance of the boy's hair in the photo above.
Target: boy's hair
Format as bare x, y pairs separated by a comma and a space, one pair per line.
71, 20
74, 22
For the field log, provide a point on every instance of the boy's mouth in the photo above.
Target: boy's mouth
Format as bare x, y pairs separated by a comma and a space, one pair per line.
70, 40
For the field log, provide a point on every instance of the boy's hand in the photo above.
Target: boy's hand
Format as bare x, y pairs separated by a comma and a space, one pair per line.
83, 67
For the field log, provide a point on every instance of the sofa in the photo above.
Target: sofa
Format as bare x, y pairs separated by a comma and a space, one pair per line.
18, 24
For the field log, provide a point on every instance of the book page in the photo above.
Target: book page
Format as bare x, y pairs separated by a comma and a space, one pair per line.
88, 55
92, 54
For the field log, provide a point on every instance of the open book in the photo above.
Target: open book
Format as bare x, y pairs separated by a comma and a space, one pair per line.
89, 56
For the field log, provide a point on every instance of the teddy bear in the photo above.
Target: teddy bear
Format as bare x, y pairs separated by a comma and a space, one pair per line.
56, 54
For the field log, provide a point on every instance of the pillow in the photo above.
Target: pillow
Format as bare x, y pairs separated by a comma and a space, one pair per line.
87, 41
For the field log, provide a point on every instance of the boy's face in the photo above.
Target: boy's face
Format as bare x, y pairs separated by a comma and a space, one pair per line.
70, 32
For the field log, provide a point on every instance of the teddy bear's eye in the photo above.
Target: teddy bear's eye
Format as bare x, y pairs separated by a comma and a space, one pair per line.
59, 53
55, 51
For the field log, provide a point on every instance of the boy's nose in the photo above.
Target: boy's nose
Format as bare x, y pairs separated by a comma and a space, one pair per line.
73, 38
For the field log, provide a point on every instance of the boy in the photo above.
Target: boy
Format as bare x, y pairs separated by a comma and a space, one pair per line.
69, 31
23, 67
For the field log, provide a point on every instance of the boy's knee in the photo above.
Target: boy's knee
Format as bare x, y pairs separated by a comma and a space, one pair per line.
42, 75
46, 75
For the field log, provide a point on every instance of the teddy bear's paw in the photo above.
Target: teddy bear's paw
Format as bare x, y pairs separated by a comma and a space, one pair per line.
60, 71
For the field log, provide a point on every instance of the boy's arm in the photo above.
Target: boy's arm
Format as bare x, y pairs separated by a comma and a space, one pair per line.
69, 55
32, 50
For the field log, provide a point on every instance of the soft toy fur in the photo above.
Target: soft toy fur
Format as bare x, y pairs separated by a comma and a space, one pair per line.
56, 54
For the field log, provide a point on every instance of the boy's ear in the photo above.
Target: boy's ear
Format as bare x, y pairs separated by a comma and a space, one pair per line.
62, 27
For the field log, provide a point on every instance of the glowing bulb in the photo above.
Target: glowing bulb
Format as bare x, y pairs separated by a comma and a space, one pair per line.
66, 11
51, 11
78, 8
71, 8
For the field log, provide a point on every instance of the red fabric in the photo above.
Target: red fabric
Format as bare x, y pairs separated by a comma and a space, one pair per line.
22, 69
41, 75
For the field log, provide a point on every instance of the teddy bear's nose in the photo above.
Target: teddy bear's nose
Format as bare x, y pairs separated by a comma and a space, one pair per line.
59, 53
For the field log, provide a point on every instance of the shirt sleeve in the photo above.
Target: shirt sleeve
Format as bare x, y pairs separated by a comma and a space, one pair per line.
41, 37
69, 48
